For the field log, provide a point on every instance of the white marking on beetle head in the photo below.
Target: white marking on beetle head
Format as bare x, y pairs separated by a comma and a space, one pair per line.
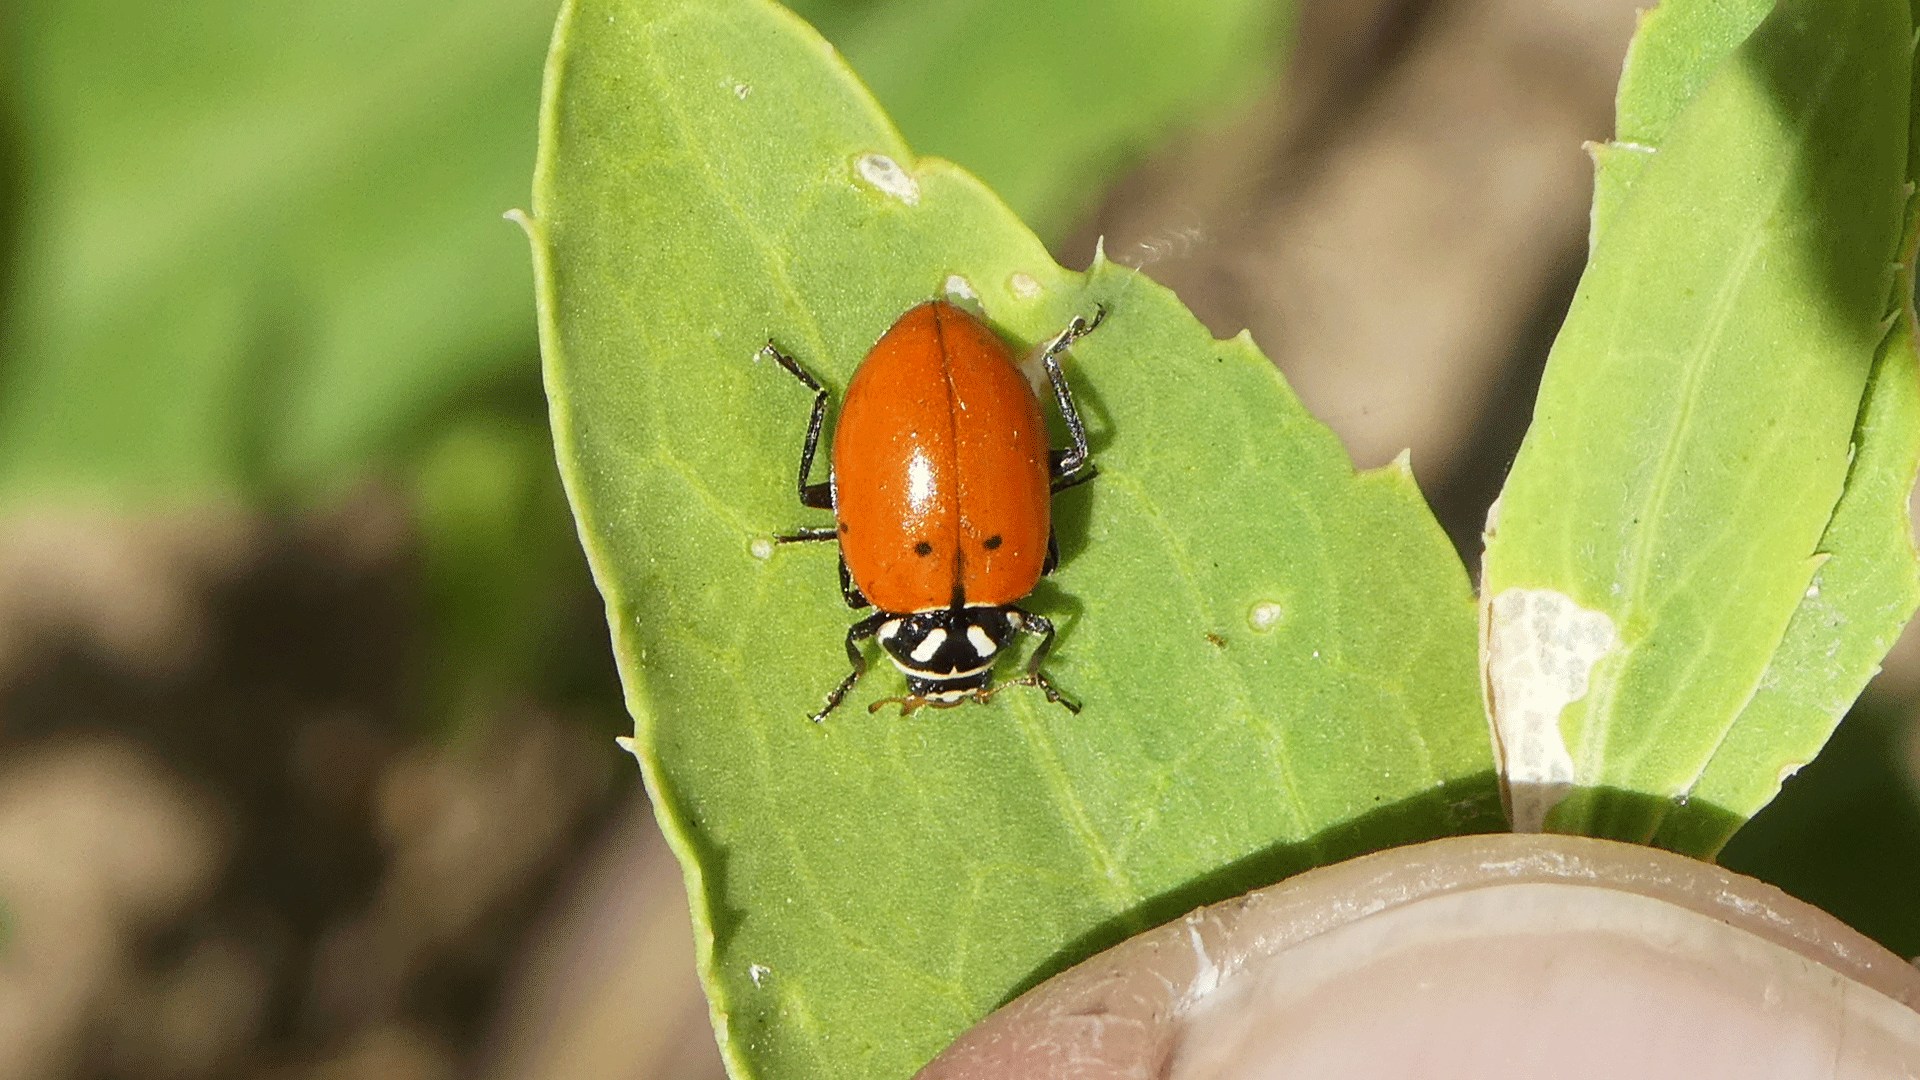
929, 645
921, 673
886, 174
1540, 649
1014, 620
1024, 285
1264, 616
889, 629
981, 643
958, 287
762, 548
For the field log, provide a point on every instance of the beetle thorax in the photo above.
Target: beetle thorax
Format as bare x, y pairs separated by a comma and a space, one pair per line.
948, 653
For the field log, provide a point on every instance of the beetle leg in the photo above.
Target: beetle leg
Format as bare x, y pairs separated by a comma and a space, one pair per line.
858, 632
848, 590
1053, 552
1075, 459
1035, 624
805, 535
817, 496
1062, 481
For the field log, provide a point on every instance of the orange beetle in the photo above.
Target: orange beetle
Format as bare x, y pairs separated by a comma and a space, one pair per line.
942, 484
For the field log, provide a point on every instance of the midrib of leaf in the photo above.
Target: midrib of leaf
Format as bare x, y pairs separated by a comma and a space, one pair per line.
1122, 893
1653, 510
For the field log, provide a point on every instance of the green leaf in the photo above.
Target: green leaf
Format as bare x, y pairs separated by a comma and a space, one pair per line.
1676, 48
1859, 599
1047, 102
1676, 496
1275, 656
258, 239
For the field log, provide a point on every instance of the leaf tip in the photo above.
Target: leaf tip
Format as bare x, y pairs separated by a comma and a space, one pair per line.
526, 222
1399, 471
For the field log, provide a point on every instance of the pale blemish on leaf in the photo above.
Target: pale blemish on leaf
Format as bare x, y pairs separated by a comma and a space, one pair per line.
1264, 616
1024, 285
886, 174
959, 288
1540, 648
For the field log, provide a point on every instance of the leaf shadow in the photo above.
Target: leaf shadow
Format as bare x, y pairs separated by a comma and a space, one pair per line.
1455, 808
1830, 175
1073, 508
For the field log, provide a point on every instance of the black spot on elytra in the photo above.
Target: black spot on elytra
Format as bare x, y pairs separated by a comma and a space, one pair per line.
843, 528
923, 548
990, 543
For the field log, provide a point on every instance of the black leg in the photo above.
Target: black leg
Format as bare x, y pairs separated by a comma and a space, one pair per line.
1074, 459
1035, 624
1053, 553
817, 496
1062, 483
848, 590
857, 633
805, 535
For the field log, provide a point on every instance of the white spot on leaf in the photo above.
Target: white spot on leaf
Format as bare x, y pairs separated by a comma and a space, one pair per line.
959, 288
1024, 285
762, 548
1541, 647
756, 972
1264, 616
741, 90
886, 174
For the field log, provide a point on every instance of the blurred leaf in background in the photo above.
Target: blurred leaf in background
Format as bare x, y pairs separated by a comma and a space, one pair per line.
1047, 102
257, 241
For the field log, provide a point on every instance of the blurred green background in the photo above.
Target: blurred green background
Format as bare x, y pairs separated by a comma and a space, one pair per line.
305, 709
